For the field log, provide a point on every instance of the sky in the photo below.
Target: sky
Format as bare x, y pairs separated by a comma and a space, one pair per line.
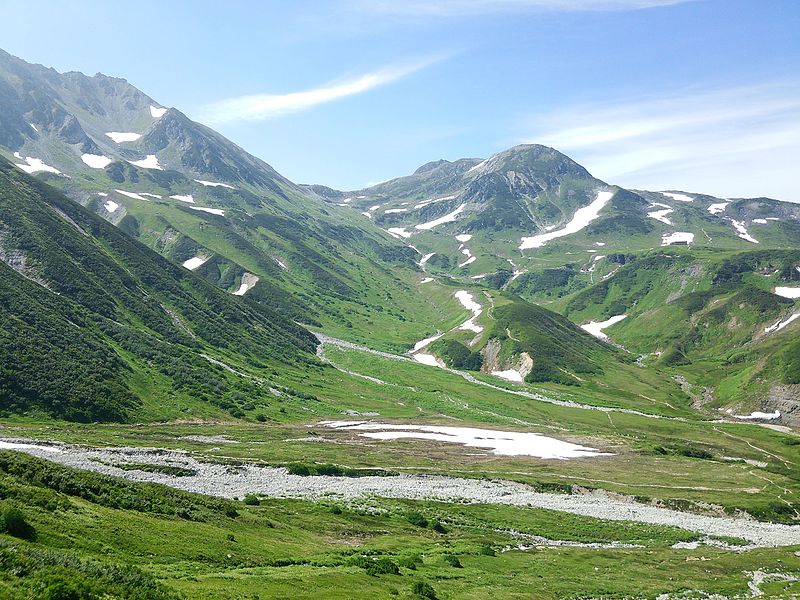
691, 95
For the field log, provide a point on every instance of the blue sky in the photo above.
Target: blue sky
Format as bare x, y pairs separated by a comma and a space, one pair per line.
697, 95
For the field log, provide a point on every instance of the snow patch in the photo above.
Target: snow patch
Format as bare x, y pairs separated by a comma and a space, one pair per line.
509, 374
395, 210
581, 218
501, 443
214, 184
399, 232
35, 165
742, 231
281, 264
463, 237
717, 208
123, 136
422, 343
248, 281
184, 198
195, 262
427, 359
214, 211
448, 218
468, 302
661, 215
596, 329
434, 200
111, 206
17, 446
781, 324
157, 112
756, 415
33, 127
96, 161
425, 259
760, 221
788, 292
678, 237
149, 195
133, 195
151, 162
679, 197
427, 280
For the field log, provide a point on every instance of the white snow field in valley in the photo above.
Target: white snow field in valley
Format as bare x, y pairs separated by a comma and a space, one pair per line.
96, 161
123, 136
582, 217
596, 328
678, 237
150, 162
36, 165
503, 443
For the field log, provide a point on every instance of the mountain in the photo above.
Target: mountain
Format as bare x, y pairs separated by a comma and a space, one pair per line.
95, 326
195, 197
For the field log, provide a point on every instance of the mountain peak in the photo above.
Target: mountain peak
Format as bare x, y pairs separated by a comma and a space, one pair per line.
430, 166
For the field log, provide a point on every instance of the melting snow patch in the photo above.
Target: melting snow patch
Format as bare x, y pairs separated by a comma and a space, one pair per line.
468, 302
248, 281
448, 218
187, 198
395, 210
760, 221
581, 218
781, 324
214, 184
399, 232
679, 197
427, 359
33, 127
596, 329
96, 161
131, 195
433, 200
425, 259
502, 443
111, 206
157, 112
509, 374
16, 446
123, 136
102, 194
717, 208
281, 264
214, 211
788, 292
463, 237
742, 231
760, 416
427, 280
423, 343
151, 162
195, 262
678, 237
661, 215
35, 165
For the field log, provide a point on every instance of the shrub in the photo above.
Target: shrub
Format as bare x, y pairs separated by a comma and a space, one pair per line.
438, 527
13, 522
251, 500
417, 519
422, 589
452, 560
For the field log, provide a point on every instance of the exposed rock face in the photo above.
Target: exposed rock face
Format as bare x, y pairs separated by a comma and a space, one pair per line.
491, 360
786, 399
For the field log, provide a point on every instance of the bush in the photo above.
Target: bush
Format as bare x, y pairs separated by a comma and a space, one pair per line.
452, 560
438, 527
13, 522
417, 519
422, 589
251, 500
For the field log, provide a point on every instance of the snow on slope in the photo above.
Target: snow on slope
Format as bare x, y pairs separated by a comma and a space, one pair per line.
195, 262
788, 292
717, 208
781, 324
111, 206
214, 184
448, 218
157, 112
742, 231
581, 218
248, 281
661, 215
679, 197
36, 165
187, 198
133, 195
468, 302
214, 211
96, 161
151, 162
678, 237
596, 328
123, 136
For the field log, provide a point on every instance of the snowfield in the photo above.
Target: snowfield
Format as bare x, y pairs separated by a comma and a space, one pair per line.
426, 258
427, 359
133, 195
151, 162
717, 208
463, 237
195, 262
214, 184
509, 374
756, 415
214, 211
788, 292
501, 443
678, 237
123, 136
399, 232
448, 218
468, 302
96, 161
111, 206
596, 329
248, 282
678, 197
581, 218
392, 211
184, 198
433, 200
661, 215
157, 112
781, 324
422, 343
36, 165
742, 231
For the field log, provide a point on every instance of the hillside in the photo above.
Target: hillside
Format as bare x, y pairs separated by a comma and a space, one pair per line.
98, 327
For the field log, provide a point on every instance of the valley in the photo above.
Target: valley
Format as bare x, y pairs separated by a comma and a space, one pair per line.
486, 377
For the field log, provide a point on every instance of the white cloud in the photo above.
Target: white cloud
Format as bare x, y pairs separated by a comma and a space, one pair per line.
458, 8
259, 107
726, 141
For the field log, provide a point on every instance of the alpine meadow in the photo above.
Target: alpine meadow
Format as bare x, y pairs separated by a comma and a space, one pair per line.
566, 368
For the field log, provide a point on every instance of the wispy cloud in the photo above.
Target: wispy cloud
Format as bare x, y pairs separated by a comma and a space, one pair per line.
260, 107
455, 8
732, 141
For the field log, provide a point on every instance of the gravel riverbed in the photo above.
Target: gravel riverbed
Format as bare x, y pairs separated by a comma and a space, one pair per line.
236, 481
